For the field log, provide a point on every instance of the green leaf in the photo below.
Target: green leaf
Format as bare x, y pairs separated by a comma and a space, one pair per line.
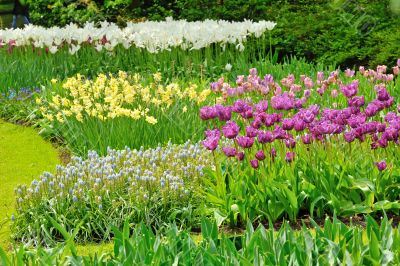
219, 217
374, 249
4, 258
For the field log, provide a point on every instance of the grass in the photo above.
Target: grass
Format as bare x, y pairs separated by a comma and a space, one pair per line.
24, 156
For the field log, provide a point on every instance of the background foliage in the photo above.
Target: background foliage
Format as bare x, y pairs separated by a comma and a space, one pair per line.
345, 32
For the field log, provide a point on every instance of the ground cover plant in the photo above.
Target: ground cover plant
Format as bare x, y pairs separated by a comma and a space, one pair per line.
154, 186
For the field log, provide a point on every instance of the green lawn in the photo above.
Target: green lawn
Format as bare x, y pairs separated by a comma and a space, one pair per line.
24, 155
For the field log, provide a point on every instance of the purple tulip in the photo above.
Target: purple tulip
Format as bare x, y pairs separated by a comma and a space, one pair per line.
374, 146
295, 88
212, 133
371, 110
260, 155
299, 103
251, 132
390, 116
299, 125
257, 122
350, 90
381, 165
389, 102
254, 163
224, 113
230, 129
270, 119
273, 152
229, 151
290, 143
383, 142
382, 93
245, 142
349, 136
211, 143
356, 120
356, 101
240, 106
208, 112
289, 156
287, 124
247, 114
306, 139
240, 156
308, 116
262, 106
381, 127
391, 134
279, 133
307, 93
282, 102
265, 136
253, 72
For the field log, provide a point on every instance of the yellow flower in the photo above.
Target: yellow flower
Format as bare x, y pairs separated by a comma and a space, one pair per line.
135, 114
110, 96
157, 77
43, 110
38, 101
49, 117
156, 101
56, 100
67, 113
53, 81
79, 117
151, 120
60, 118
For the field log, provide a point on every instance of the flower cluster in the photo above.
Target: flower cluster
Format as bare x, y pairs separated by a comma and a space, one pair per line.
380, 73
171, 172
111, 96
19, 95
149, 35
285, 121
253, 84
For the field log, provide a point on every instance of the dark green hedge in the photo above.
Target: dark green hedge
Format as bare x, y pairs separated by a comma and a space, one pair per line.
346, 32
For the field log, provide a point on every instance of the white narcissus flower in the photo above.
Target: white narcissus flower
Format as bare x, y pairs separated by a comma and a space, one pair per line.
53, 49
150, 35
228, 67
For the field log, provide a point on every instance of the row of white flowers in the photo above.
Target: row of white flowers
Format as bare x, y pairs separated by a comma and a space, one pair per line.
150, 35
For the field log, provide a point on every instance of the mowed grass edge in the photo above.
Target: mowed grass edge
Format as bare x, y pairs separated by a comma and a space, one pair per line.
24, 155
